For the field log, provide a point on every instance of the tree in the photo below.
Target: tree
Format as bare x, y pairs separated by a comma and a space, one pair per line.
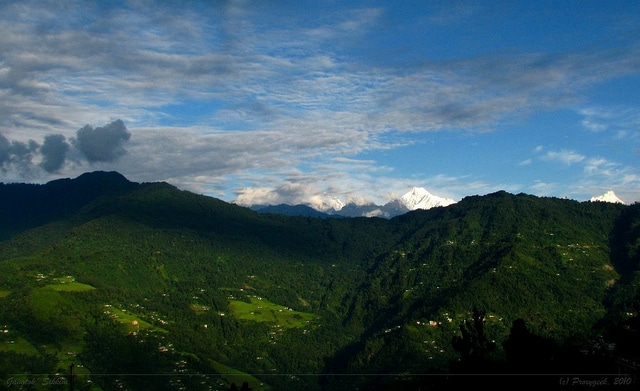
527, 352
473, 345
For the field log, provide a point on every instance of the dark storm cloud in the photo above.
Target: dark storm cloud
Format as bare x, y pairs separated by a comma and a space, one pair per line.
4, 150
53, 150
102, 144
17, 154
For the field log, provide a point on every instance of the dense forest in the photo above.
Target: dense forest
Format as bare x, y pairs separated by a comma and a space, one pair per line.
106, 284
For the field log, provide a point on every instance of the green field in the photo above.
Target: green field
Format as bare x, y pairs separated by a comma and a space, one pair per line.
261, 310
71, 287
131, 320
47, 303
19, 345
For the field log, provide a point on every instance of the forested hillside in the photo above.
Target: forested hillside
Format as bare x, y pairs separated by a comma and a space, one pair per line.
144, 286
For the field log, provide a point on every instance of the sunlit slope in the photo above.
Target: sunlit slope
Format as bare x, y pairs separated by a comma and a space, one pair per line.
548, 261
194, 284
180, 263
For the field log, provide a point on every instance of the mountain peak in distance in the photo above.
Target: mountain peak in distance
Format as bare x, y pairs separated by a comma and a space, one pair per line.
420, 198
416, 198
609, 196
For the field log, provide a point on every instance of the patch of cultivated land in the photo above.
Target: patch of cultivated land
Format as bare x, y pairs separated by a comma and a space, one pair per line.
131, 320
18, 345
71, 287
261, 310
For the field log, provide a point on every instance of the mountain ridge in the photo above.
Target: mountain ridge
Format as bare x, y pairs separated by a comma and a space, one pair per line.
416, 198
210, 283
27, 205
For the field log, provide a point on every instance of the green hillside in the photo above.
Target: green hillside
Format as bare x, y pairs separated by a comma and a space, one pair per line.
144, 286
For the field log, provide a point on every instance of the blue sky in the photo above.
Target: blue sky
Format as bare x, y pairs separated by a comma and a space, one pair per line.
308, 101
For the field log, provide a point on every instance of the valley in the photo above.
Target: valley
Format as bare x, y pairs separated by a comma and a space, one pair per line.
144, 286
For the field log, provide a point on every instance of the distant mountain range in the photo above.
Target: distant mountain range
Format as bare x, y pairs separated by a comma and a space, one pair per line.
416, 198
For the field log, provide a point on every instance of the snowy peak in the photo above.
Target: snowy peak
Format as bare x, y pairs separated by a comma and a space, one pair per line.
609, 196
420, 198
336, 204
416, 198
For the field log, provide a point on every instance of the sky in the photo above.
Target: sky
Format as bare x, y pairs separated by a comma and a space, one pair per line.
269, 102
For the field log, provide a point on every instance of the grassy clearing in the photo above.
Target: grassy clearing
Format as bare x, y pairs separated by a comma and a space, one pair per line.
20, 346
46, 303
231, 375
4, 293
71, 287
261, 310
131, 320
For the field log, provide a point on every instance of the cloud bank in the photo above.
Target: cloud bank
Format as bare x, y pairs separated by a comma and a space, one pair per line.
102, 144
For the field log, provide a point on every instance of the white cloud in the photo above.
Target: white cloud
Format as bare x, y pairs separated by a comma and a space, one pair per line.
597, 175
287, 193
564, 156
280, 98
622, 122
526, 162
600, 167
544, 188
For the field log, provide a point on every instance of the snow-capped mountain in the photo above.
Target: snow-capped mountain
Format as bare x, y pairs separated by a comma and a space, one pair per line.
420, 198
416, 198
609, 196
